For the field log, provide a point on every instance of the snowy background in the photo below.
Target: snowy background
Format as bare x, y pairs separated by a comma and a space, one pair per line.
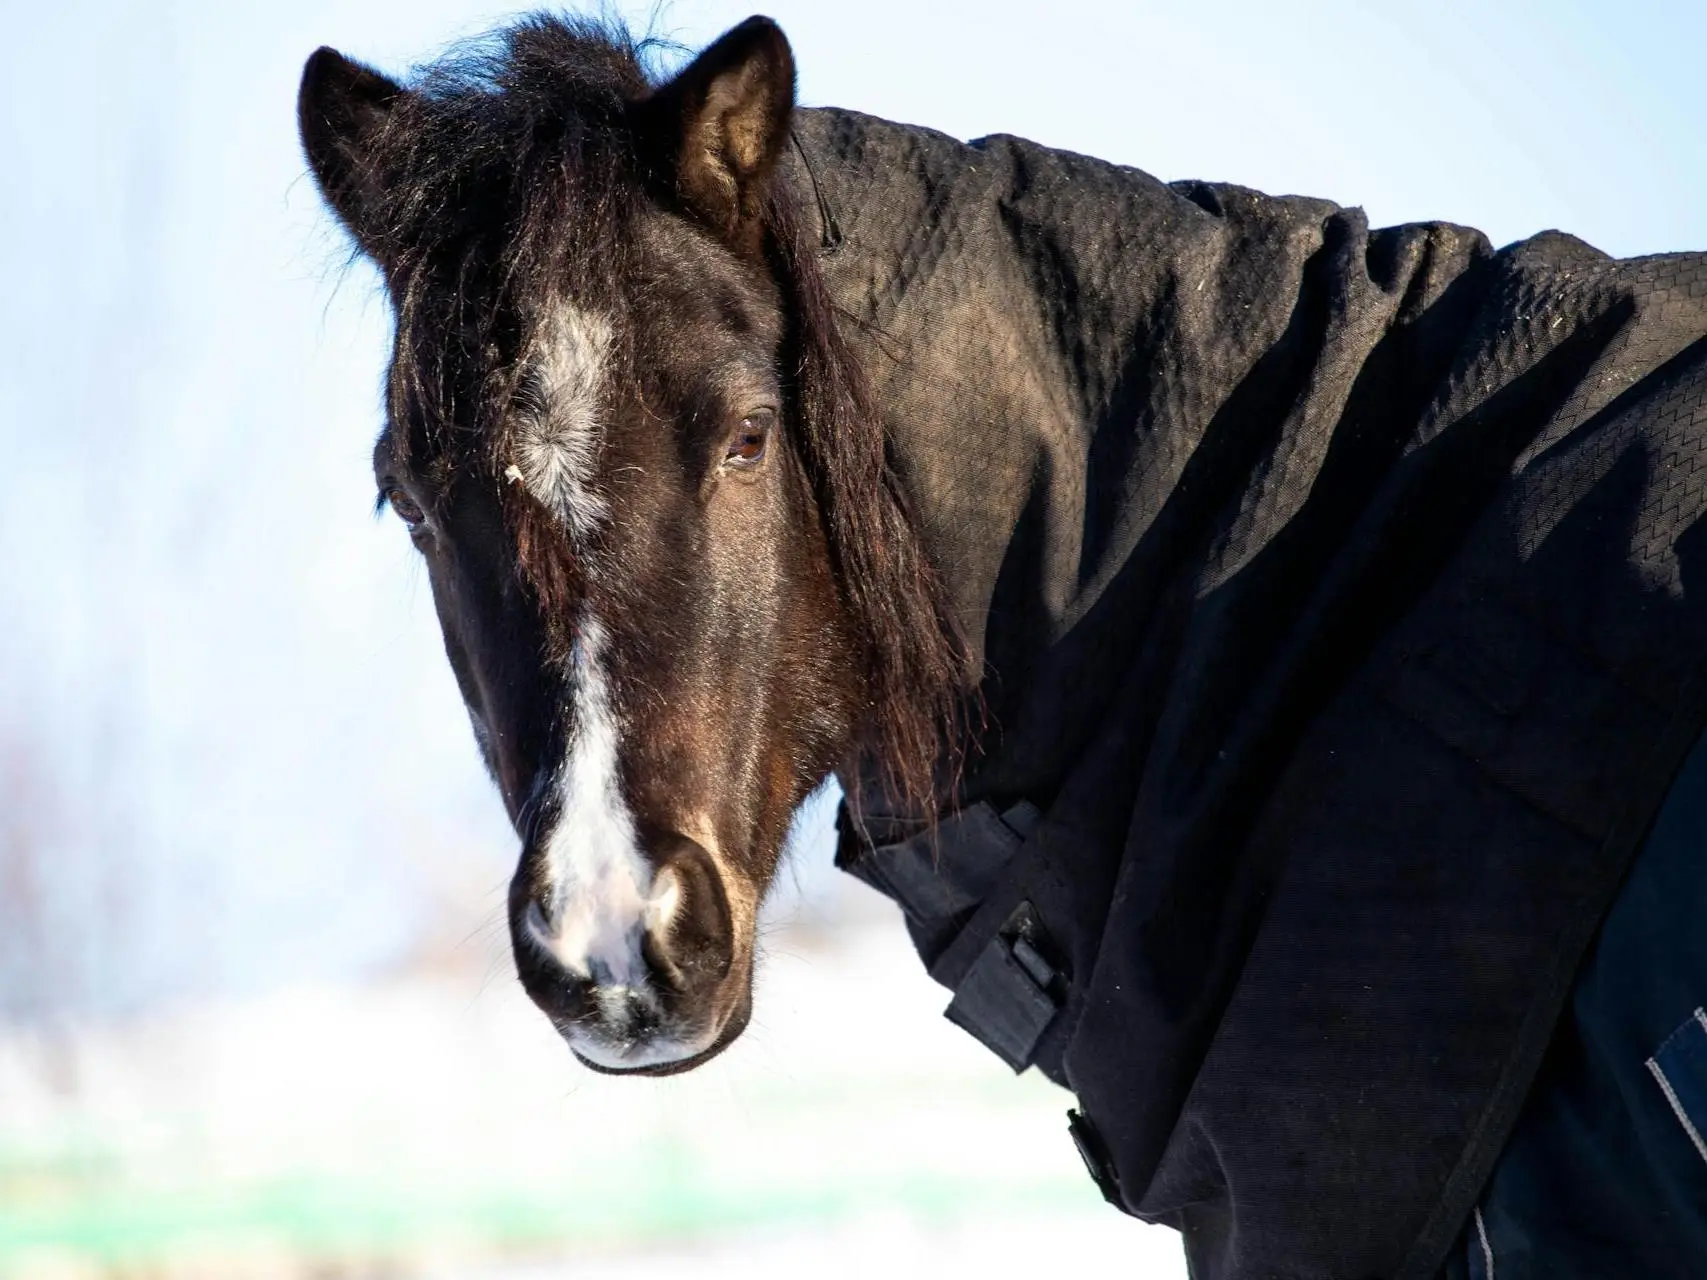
257, 1015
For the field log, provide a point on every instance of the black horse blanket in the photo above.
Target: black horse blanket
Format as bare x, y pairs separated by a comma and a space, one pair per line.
1343, 596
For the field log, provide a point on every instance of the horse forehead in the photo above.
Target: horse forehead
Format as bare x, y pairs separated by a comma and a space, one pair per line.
556, 438
572, 351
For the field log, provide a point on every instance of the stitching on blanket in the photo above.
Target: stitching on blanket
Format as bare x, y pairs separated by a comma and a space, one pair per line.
1487, 1249
1677, 1107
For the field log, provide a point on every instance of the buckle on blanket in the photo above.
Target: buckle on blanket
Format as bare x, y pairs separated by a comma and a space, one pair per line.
1012, 992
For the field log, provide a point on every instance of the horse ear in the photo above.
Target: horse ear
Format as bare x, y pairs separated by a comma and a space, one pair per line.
341, 112
723, 122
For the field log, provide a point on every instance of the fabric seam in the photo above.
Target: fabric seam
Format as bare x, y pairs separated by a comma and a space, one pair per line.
1488, 1136
1487, 1249
1677, 1108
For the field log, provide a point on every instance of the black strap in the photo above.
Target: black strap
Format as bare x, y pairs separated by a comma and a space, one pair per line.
1012, 992
944, 872
1098, 1163
963, 887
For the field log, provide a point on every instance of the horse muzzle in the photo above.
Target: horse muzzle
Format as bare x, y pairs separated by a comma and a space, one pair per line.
638, 978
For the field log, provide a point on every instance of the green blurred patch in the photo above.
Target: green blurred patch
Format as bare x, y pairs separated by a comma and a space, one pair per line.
82, 1205
327, 1217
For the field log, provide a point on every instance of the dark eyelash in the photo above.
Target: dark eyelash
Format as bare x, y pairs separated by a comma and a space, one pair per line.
381, 503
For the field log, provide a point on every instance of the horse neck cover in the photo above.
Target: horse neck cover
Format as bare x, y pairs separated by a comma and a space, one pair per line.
1334, 590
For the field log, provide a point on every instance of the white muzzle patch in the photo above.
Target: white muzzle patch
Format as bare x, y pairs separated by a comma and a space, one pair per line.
602, 897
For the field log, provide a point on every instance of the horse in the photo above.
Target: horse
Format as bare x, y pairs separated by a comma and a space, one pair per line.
670, 560
1252, 645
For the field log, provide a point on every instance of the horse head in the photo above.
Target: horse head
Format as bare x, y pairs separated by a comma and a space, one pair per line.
672, 567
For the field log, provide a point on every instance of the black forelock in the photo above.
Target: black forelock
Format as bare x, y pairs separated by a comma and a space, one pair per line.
501, 112
508, 173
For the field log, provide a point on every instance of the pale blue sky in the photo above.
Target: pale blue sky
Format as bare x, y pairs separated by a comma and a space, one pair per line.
221, 694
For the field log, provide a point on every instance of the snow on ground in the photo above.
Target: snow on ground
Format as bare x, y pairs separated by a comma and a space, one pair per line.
892, 1249
433, 1125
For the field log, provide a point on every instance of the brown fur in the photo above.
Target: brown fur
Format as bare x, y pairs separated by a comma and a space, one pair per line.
766, 626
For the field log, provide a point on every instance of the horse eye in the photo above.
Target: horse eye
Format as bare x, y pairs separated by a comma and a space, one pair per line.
405, 507
747, 445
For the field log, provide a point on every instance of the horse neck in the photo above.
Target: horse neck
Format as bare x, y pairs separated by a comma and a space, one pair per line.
992, 354
1108, 396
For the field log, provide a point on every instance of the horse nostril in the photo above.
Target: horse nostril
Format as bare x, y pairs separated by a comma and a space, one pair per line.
563, 994
692, 944
537, 923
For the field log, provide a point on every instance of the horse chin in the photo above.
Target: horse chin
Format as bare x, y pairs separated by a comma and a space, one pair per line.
732, 1029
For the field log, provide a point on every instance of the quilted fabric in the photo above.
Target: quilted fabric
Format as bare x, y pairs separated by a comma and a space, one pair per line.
1341, 593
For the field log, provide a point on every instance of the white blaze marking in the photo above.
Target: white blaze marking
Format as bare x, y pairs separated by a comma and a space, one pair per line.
557, 441
603, 895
